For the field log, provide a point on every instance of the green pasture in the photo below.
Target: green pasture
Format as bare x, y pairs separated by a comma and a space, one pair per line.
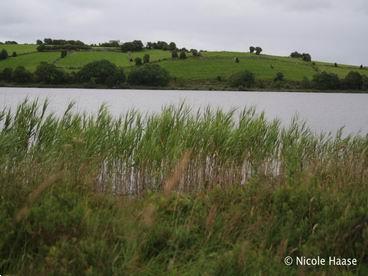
76, 60
19, 48
29, 61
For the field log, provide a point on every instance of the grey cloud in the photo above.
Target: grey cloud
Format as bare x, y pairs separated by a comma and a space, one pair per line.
330, 30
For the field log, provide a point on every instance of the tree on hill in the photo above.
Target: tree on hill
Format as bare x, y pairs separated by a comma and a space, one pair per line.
296, 55
335, 64
252, 49
279, 77
149, 75
353, 80
258, 50
174, 54
146, 58
183, 55
39, 42
14, 54
7, 74
97, 72
325, 81
4, 54
244, 78
361, 66
172, 46
48, 73
194, 52
63, 54
21, 75
236, 59
11, 42
307, 57
133, 46
138, 61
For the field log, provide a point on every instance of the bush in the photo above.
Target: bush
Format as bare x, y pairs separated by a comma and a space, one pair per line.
146, 58
244, 78
14, 54
150, 75
7, 74
279, 77
133, 46
97, 71
183, 55
21, 75
174, 54
326, 81
4, 54
296, 55
63, 54
49, 74
353, 80
138, 61
307, 57
236, 60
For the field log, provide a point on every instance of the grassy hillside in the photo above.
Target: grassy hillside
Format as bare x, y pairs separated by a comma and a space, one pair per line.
19, 48
177, 193
206, 68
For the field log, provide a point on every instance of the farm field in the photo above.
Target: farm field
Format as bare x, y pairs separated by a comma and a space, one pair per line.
209, 67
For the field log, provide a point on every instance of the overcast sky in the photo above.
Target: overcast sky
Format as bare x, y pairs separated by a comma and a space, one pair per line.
331, 30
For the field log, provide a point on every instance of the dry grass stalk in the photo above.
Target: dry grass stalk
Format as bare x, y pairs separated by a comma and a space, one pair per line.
179, 170
35, 194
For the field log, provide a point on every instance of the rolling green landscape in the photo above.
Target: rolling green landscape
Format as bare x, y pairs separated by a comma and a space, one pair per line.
210, 68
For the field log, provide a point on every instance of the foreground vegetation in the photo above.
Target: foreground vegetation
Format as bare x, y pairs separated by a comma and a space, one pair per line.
189, 69
179, 192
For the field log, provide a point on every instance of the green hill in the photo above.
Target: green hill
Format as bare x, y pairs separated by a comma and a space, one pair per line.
207, 68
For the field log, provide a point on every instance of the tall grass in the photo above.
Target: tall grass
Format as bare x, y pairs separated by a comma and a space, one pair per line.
253, 186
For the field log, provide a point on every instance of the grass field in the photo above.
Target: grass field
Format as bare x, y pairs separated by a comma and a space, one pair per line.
206, 68
19, 48
177, 193
29, 61
77, 60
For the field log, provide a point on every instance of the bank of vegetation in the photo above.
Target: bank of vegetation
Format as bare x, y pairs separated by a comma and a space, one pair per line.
185, 69
177, 192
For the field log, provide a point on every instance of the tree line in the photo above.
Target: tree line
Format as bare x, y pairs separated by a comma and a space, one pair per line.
97, 73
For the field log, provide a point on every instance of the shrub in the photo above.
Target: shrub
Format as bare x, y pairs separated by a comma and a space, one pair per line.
296, 55
63, 54
133, 46
307, 57
21, 75
174, 54
146, 58
151, 75
353, 80
97, 71
236, 60
183, 55
4, 54
14, 54
194, 52
244, 78
326, 81
279, 77
7, 74
138, 61
50, 74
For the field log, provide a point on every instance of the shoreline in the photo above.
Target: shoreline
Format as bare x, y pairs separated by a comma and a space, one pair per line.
183, 88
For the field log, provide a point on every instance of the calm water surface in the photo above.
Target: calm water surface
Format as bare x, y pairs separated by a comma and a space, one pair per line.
323, 112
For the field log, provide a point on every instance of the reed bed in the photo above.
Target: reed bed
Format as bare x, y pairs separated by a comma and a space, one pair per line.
135, 153
180, 192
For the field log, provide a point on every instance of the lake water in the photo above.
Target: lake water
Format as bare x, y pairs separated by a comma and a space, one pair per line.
323, 112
